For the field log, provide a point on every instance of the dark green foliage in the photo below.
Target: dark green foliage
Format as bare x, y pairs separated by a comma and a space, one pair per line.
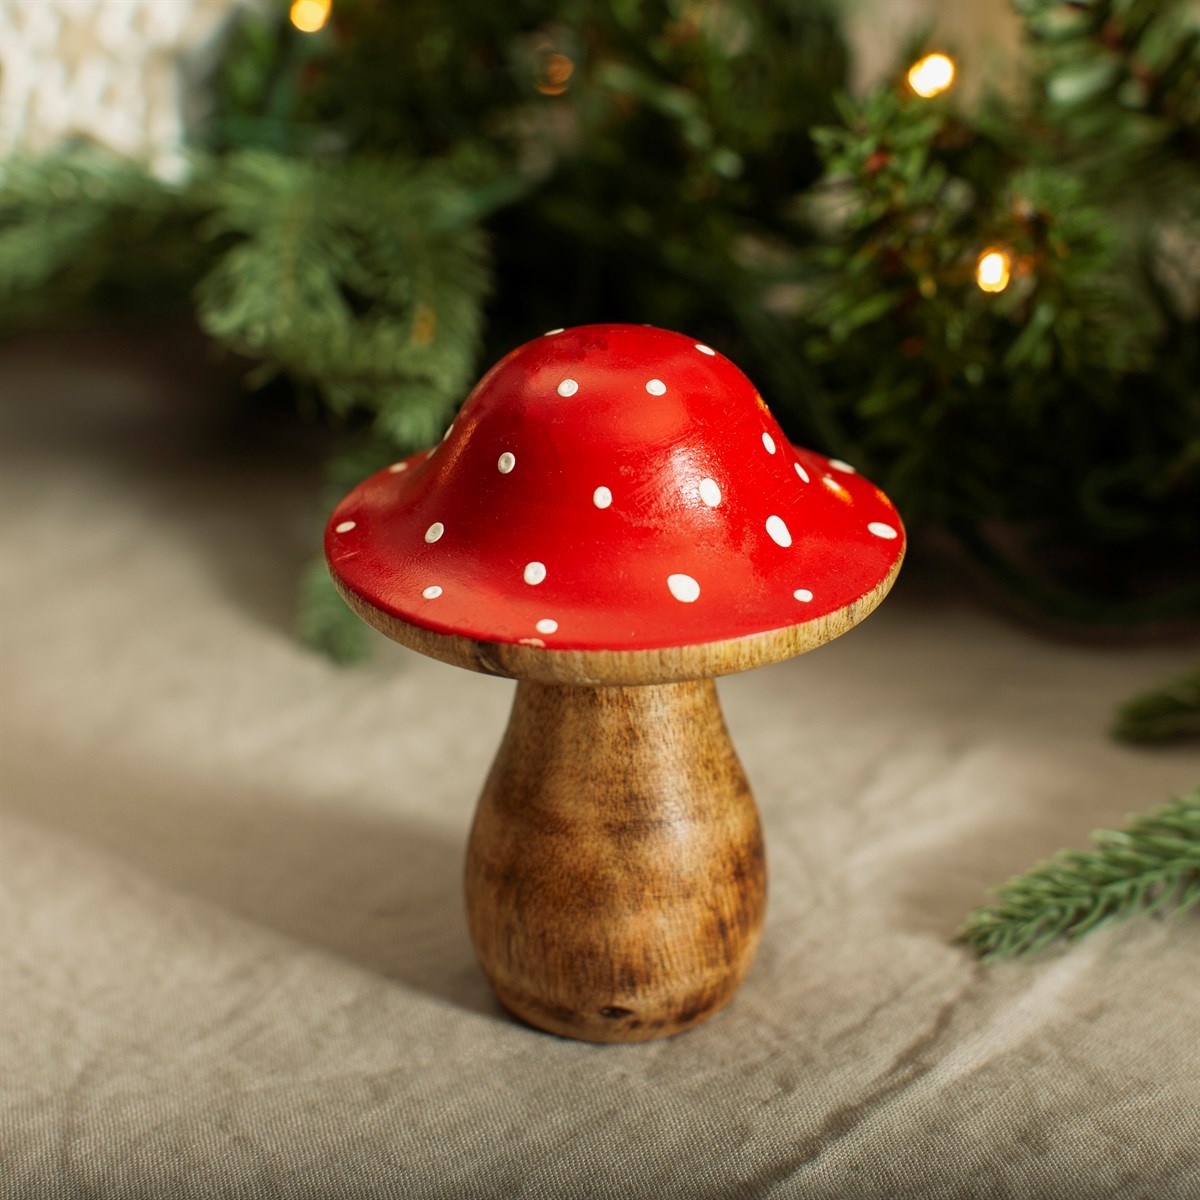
324, 622
1152, 864
656, 183
83, 232
1164, 714
381, 209
1054, 428
365, 277
323, 619
1113, 58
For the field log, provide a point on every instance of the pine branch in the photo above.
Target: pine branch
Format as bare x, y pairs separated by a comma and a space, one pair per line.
1152, 864
85, 230
325, 622
365, 277
921, 368
1163, 714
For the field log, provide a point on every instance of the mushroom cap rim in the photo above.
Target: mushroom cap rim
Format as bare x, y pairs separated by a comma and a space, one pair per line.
622, 667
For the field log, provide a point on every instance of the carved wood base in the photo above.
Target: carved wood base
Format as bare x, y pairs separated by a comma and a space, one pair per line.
615, 879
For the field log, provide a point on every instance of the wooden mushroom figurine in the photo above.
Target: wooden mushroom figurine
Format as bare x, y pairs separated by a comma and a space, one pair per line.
613, 519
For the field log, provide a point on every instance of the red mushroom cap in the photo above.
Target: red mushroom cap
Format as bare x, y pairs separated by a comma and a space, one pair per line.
613, 487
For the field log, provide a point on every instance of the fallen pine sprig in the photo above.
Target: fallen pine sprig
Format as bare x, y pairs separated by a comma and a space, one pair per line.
1152, 864
1167, 713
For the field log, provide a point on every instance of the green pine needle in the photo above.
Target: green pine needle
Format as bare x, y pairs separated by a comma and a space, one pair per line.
325, 622
1151, 864
1166, 713
366, 277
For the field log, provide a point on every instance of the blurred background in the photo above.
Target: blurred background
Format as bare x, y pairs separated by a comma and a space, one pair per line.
953, 243
251, 251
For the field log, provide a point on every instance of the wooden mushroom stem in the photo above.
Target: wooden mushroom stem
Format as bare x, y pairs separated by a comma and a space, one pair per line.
615, 876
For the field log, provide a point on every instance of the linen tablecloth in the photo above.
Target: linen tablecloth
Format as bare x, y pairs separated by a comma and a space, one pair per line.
235, 961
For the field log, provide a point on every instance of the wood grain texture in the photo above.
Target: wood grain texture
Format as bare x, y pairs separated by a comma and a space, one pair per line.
615, 878
591, 668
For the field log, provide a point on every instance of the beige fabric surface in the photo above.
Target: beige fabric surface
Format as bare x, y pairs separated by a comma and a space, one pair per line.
235, 962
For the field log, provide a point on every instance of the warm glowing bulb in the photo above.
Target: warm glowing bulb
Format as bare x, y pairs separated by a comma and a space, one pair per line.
993, 271
557, 70
931, 76
310, 15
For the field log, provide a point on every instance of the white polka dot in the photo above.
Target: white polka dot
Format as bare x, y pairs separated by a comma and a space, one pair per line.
506, 462
683, 587
568, 387
801, 472
546, 625
879, 529
532, 642
345, 526
833, 485
602, 497
435, 531
535, 572
656, 387
432, 593
780, 534
396, 468
552, 332
838, 465
710, 493
803, 594
768, 442
705, 349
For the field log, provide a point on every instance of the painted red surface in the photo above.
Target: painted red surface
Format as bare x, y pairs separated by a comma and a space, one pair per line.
498, 533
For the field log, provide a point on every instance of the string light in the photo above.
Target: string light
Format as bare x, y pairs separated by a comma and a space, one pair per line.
993, 271
554, 75
931, 75
309, 15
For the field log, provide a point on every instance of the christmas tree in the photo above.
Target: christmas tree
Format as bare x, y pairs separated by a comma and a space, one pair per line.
995, 311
